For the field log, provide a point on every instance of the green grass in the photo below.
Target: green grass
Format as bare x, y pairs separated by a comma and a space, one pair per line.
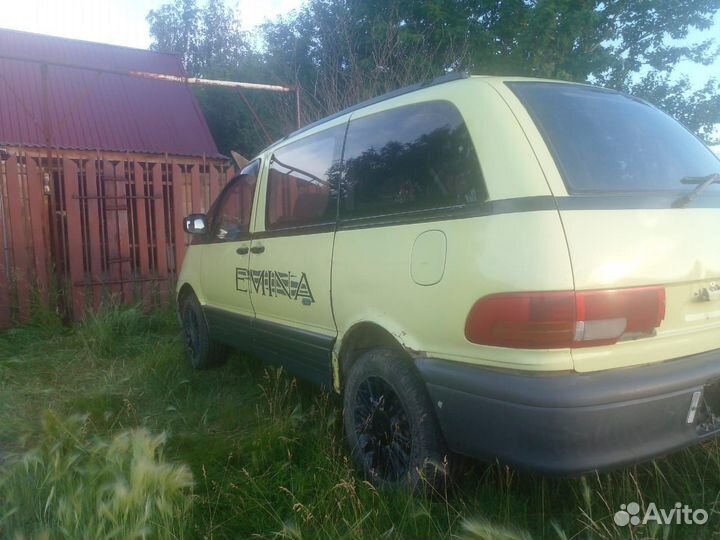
266, 455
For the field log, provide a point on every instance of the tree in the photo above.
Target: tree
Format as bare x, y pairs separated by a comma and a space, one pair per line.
344, 51
174, 29
627, 45
697, 109
208, 39
211, 45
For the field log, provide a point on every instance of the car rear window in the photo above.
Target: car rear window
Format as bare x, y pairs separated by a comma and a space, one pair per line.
604, 141
412, 158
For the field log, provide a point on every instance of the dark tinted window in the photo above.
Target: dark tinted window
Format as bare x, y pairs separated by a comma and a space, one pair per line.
605, 141
231, 216
411, 158
302, 180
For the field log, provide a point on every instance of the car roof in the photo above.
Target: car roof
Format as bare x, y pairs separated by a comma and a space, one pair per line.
443, 79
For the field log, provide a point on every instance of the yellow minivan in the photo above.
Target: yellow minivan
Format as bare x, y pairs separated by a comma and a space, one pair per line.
504, 268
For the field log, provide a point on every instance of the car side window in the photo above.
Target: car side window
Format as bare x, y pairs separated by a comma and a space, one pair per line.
416, 157
303, 179
231, 217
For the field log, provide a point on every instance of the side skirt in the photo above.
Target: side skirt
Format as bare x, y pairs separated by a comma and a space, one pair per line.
230, 328
307, 355
304, 354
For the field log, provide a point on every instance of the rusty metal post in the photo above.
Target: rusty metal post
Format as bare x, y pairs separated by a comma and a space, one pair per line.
52, 211
230, 84
210, 82
5, 236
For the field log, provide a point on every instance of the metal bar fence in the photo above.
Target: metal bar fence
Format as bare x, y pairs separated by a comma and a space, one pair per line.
118, 221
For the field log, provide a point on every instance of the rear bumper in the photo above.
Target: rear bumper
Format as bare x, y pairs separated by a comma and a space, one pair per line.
570, 423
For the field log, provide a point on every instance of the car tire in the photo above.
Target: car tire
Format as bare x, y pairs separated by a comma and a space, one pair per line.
201, 352
390, 424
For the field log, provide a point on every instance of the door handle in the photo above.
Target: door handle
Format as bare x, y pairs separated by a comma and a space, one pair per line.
242, 251
257, 249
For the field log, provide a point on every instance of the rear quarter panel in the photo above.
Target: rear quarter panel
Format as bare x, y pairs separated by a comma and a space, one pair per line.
513, 251
485, 255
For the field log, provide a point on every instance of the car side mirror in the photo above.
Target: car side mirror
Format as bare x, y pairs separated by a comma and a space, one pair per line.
195, 224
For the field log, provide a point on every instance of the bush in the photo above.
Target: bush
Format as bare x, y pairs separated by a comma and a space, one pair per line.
73, 486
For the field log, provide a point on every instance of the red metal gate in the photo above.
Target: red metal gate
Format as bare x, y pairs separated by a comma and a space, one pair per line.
112, 222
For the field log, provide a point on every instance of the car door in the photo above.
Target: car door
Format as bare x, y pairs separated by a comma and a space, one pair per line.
291, 254
224, 266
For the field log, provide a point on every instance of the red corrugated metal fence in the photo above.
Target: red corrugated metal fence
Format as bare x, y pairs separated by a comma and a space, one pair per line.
94, 227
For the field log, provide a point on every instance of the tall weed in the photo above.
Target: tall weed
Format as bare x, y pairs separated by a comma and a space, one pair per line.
75, 486
117, 330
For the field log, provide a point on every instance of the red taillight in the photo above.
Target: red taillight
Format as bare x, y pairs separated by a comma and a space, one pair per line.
551, 320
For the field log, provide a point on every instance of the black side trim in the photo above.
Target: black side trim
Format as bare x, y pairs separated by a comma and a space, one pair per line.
306, 355
537, 203
230, 328
488, 208
296, 231
206, 239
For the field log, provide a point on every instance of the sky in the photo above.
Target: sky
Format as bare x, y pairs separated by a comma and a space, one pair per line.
119, 22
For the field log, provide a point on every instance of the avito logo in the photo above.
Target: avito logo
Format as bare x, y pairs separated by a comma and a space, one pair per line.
680, 514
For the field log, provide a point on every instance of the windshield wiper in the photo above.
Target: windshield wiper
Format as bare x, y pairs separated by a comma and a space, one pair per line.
703, 182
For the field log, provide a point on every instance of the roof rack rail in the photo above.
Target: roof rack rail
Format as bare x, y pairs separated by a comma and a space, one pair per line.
395, 93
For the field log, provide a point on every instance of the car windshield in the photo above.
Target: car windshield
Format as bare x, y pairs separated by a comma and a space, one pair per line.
603, 141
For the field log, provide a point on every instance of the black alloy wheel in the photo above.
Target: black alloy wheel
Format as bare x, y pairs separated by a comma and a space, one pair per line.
390, 423
383, 430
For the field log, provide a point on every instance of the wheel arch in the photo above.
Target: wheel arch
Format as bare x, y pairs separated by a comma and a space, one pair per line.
183, 292
359, 338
